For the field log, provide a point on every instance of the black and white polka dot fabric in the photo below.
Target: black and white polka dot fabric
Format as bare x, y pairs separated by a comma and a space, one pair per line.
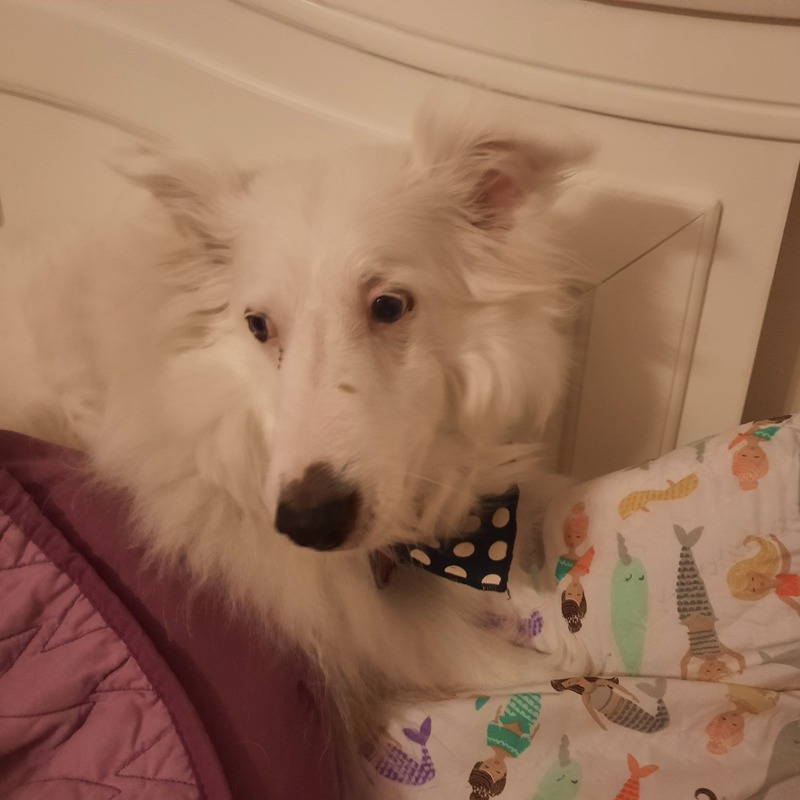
482, 558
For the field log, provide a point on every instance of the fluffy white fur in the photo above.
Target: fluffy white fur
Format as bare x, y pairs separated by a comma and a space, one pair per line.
134, 347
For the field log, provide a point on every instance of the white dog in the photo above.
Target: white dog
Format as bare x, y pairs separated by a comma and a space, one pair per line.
295, 369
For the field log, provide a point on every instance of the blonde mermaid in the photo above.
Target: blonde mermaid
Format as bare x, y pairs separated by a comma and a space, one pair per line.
768, 571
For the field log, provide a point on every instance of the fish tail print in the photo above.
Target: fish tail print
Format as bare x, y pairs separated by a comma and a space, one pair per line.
630, 790
421, 735
637, 771
657, 690
687, 539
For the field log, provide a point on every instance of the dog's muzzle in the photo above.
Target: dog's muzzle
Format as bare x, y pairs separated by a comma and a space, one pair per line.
319, 510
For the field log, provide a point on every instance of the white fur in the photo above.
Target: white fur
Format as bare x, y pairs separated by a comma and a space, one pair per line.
134, 347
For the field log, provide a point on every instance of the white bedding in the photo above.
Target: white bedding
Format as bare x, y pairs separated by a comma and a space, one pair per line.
707, 657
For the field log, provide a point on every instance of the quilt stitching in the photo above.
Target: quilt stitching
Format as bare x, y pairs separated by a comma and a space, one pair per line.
61, 736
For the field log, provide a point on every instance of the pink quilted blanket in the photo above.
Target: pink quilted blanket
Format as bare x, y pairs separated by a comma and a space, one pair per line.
88, 710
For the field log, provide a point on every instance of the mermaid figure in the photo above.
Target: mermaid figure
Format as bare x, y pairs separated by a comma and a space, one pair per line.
575, 530
726, 729
697, 614
573, 596
766, 572
508, 735
605, 697
750, 462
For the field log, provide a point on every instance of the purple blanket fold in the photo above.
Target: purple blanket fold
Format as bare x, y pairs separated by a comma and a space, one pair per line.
119, 682
87, 707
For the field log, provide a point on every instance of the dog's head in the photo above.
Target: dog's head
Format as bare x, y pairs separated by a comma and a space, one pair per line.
388, 319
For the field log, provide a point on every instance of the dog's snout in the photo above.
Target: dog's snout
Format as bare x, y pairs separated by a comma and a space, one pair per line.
318, 510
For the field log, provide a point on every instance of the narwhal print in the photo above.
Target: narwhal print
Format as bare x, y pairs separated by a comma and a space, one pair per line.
562, 779
629, 598
696, 613
784, 762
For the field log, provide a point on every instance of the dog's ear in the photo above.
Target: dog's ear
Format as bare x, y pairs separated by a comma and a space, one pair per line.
190, 188
491, 170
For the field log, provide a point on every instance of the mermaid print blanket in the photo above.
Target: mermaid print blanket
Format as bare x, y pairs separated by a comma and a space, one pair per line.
679, 578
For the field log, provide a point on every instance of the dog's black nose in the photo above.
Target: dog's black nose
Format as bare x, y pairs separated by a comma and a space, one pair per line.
318, 510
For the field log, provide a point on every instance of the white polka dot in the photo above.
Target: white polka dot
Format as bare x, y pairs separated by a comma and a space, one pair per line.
497, 552
418, 555
501, 517
492, 580
471, 524
459, 572
464, 549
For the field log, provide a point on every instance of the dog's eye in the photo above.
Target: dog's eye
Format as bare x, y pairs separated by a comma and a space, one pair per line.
388, 308
258, 325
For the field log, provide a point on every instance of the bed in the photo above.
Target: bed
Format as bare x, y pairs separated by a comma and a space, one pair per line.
686, 221
687, 569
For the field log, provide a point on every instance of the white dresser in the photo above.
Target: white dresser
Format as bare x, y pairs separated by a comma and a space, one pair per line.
679, 218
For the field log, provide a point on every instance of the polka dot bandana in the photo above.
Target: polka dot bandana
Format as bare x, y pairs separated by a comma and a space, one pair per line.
482, 559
